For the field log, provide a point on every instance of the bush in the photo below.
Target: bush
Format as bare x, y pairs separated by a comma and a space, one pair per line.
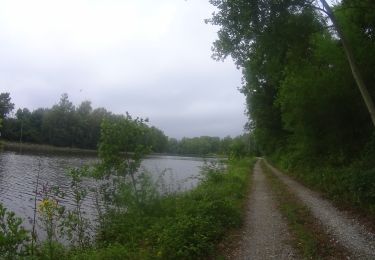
13, 237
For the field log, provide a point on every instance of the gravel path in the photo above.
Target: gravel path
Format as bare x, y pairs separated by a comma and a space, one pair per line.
346, 230
265, 233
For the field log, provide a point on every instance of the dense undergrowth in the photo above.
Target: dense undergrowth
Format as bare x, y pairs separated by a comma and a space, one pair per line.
185, 225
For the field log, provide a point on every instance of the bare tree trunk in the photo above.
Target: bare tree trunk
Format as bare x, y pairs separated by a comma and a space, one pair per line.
354, 67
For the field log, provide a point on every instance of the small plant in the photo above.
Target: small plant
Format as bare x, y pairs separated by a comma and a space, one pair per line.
33, 232
13, 237
51, 214
76, 226
213, 169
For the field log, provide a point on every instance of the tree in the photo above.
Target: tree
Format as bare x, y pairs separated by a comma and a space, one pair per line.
244, 23
173, 146
156, 139
59, 123
300, 94
69, 126
83, 124
5, 105
248, 32
352, 61
122, 149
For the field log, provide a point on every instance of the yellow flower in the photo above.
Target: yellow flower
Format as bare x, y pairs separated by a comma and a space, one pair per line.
47, 207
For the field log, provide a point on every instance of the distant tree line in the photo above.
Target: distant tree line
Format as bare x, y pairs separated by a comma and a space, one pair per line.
66, 125
205, 145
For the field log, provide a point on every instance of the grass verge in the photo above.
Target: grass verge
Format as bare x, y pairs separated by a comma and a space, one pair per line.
308, 235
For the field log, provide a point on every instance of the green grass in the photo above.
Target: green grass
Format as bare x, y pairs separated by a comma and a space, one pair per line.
181, 226
308, 235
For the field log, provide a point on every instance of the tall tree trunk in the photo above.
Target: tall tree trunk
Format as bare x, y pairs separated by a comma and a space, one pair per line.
354, 67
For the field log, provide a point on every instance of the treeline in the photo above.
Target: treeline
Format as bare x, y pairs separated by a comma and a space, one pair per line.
65, 125
204, 145
305, 109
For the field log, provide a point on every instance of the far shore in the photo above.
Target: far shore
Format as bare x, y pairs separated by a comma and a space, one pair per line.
43, 148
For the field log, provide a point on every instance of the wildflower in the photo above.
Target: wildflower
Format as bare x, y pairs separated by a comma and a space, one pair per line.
47, 207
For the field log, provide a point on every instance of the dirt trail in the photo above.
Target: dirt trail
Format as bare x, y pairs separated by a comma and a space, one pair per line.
265, 233
346, 230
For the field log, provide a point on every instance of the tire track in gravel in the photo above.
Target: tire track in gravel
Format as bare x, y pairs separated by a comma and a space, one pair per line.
348, 232
265, 233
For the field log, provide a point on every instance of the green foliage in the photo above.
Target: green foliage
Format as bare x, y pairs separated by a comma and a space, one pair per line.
50, 251
13, 237
5, 105
239, 147
76, 226
157, 140
304, 108
198, 145
121, 151
115, 252
66, 125
186, 225
121, 143
206, 145
348, 185
51, 214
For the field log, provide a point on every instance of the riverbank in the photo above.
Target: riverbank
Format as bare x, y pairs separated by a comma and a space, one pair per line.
42, 148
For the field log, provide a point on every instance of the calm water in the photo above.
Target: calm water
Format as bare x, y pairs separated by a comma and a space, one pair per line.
18, 176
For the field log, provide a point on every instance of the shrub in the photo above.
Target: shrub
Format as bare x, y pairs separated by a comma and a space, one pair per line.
13, 237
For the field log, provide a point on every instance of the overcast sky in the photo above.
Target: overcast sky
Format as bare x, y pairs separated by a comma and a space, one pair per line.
150, 58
